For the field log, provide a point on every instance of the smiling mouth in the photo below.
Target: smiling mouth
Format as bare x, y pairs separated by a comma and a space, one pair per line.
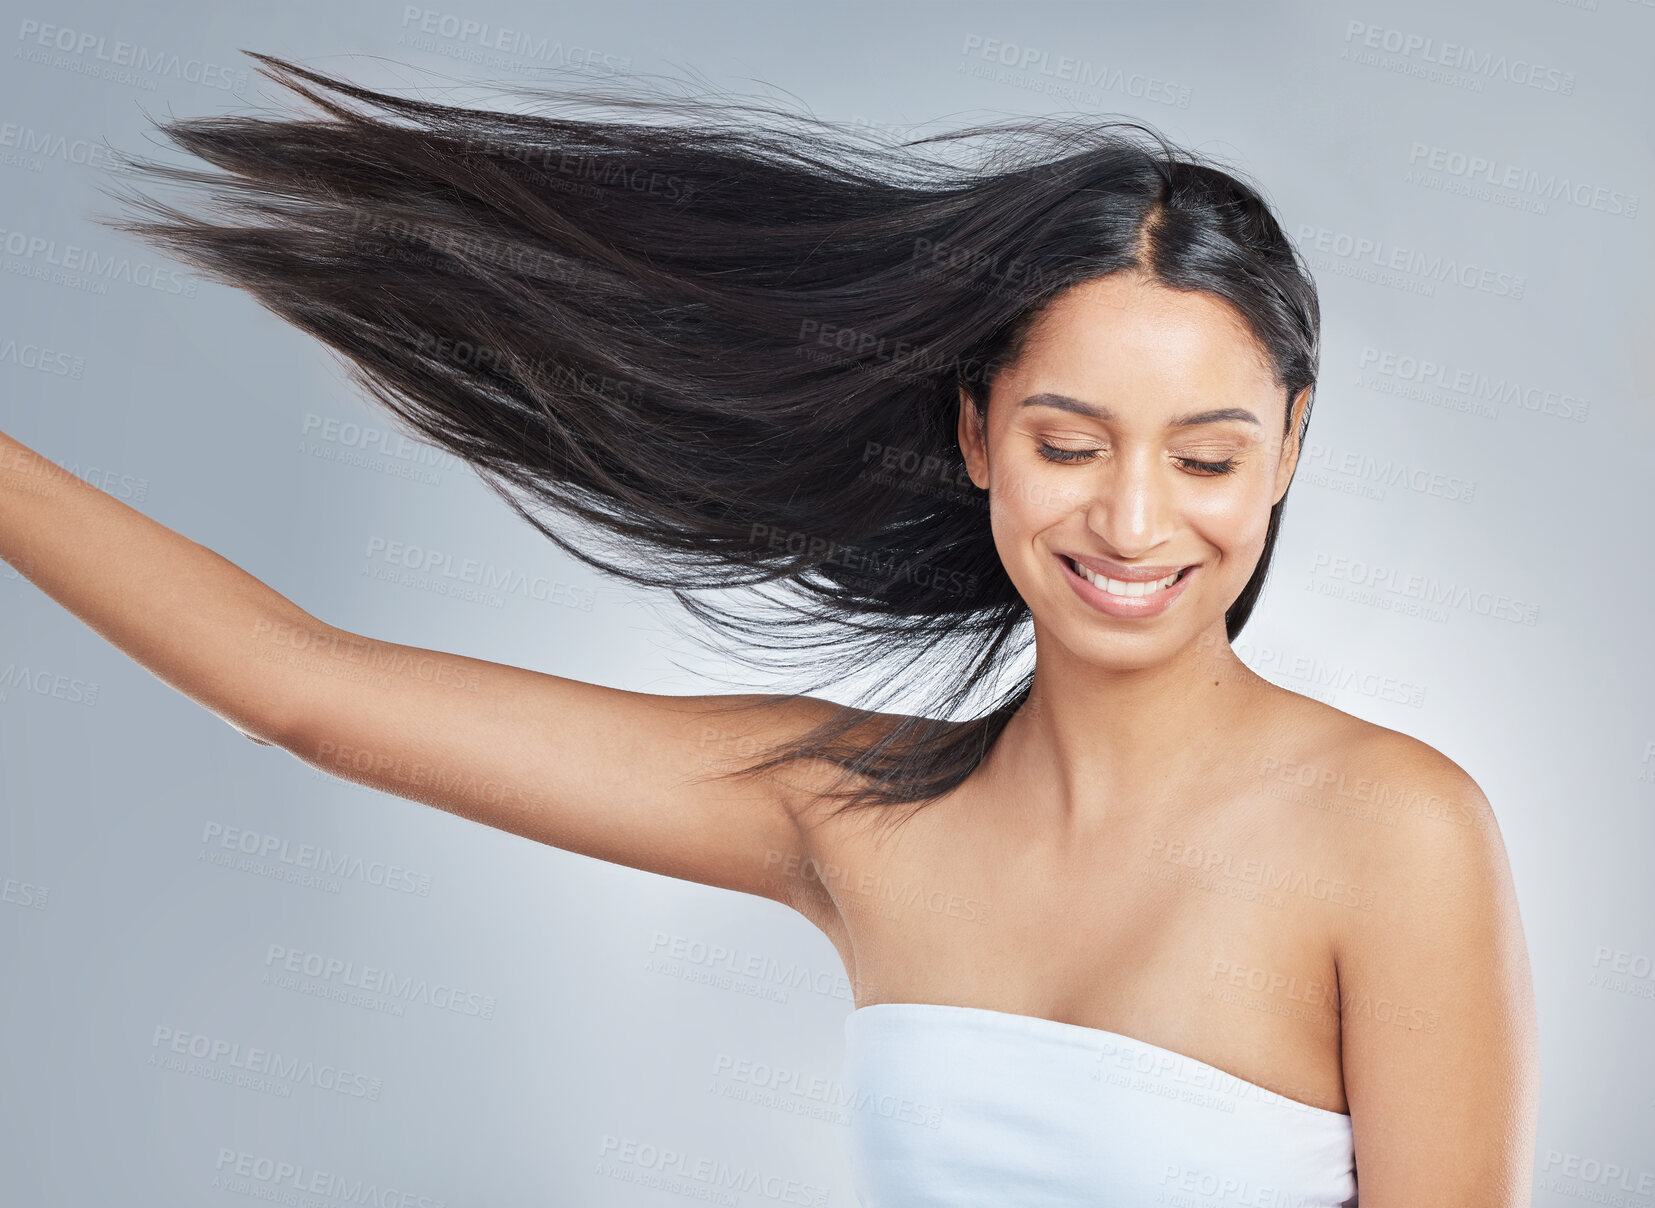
1127, 589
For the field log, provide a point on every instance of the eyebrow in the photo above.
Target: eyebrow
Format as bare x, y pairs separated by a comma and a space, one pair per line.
1063, 402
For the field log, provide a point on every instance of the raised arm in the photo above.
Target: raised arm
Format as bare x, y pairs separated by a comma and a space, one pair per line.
599, 771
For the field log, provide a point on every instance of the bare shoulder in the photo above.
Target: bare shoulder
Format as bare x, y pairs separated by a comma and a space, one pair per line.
776, 722
1439, 808
1417, 798
1419, 827
1399, 817
808, 789
1438, 1036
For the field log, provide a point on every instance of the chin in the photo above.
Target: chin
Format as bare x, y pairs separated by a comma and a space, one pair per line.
1108, 645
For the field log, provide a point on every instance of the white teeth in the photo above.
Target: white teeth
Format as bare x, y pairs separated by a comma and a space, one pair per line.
1117, 588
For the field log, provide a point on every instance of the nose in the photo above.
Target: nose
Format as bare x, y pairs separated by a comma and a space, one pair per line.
1129, 505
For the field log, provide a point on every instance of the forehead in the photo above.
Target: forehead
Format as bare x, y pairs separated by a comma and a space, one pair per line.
1126, 338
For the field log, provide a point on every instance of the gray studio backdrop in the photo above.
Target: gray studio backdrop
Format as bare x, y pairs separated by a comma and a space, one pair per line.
185, 1019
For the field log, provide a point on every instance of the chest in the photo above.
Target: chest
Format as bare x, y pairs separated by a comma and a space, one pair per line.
1207, 937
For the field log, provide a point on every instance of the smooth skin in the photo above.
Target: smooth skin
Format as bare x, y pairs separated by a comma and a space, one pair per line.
1139, 852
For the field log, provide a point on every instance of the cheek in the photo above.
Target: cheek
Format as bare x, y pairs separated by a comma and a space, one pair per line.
1024, 500
1234, 517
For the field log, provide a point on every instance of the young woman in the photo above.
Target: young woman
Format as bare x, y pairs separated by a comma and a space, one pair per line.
1144, 927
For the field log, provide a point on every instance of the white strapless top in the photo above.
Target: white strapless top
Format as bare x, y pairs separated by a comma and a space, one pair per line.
965, 1107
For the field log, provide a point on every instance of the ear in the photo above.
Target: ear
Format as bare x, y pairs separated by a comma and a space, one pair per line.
973, 441
1290, 447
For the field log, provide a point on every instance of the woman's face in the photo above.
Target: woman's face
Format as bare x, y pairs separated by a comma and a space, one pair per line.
1132, 456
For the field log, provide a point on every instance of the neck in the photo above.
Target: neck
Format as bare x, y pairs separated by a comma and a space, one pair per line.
1099, 746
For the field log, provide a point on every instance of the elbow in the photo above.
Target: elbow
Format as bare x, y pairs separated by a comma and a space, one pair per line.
273, 723
282, 709
292, 733
266, 734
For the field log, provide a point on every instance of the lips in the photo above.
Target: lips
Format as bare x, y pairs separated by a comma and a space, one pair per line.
1139, 591
1128, 589
1122, 573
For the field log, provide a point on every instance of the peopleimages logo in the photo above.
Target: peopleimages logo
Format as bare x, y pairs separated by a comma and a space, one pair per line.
42, 359
760, 970
370, 979
1563, 1172
95, 55
229, 1061
1544, 186
1387, 586
263, 1178
26, 894
25, 141
1422, 53
1065, 75
371, 439
42, 255
1475, 387
1315, 671
1380, 472
1388, 264
467, 578
482, 35
631, 1160
47, 683
274, 851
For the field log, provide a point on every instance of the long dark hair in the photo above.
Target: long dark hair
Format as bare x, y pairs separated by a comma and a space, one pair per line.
726, 347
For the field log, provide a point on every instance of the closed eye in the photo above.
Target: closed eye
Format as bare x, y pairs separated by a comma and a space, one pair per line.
1208, 467
1069, 456
1053, 453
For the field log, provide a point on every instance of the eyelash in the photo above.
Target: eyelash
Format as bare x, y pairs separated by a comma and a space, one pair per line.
1070, 456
